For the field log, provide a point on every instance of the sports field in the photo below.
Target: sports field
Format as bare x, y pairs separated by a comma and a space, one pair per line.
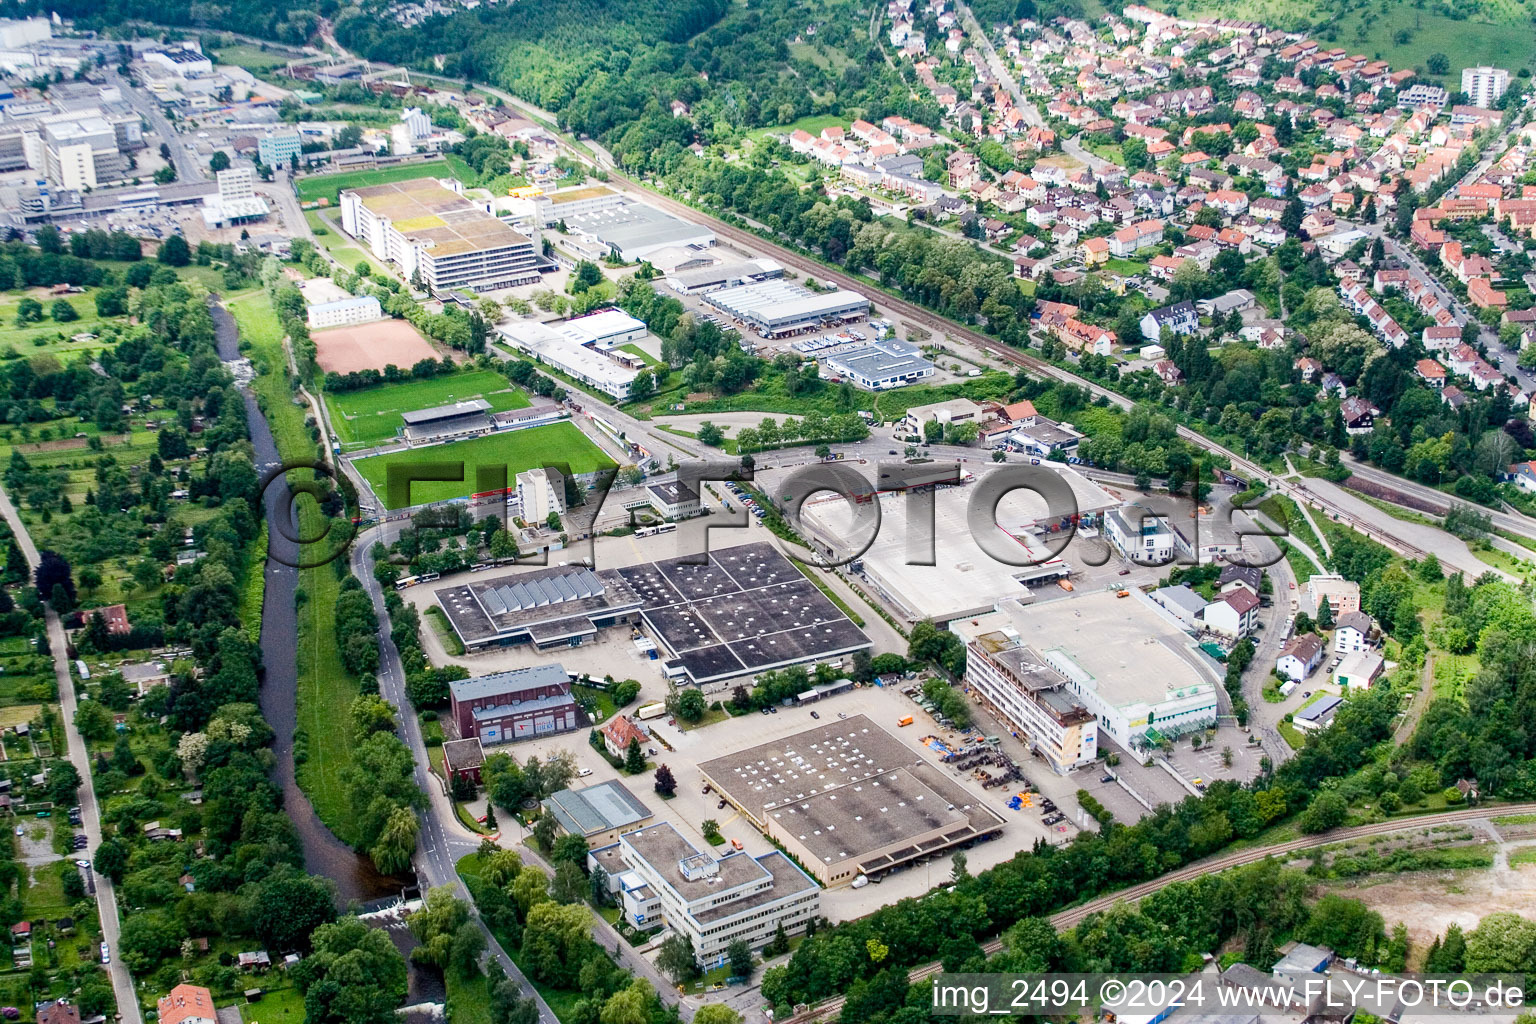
371, 346
314, 187
516, 449
373, 414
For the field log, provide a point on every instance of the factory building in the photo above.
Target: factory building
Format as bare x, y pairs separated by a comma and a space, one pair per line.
779, 308
435, 235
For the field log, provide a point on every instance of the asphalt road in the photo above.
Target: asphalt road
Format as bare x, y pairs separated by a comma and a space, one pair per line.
90, 812
188, 167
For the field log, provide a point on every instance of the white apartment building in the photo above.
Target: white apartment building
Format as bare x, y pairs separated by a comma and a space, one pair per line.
657, 874
1030, 695
540, 492
1484, 85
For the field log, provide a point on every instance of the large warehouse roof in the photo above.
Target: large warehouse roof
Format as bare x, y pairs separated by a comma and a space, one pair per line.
775, 304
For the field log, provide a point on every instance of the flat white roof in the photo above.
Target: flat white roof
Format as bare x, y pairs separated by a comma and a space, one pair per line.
599, 326
566, 354
963, 577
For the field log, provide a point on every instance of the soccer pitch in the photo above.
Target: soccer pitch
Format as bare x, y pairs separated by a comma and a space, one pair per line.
373, 414
516, 449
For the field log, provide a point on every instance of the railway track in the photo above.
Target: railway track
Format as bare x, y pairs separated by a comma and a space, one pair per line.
1074, 915
914, 313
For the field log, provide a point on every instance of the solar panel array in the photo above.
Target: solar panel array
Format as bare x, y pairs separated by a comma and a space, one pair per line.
747, 609
539, 593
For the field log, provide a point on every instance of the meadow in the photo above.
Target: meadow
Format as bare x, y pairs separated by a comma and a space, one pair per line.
517, 450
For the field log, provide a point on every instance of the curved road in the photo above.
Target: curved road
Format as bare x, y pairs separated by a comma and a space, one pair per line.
1072, 916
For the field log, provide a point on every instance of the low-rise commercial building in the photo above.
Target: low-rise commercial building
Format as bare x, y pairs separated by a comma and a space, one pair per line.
658, 875
674, 499
848, 798
514, 705
778, 308
880, 365
598, 813
568, 353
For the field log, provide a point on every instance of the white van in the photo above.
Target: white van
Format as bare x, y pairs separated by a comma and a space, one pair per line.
861, 881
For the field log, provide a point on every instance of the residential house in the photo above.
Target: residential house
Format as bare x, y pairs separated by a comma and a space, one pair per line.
1299, 658
1358, 670
1234, 613
619, 733
1352, 632
188, 1004
1180, 318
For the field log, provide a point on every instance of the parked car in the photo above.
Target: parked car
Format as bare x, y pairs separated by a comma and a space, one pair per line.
106, 954
583, 773
815, 714
861, 881
1107, 778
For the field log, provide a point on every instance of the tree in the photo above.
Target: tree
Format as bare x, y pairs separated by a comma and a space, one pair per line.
219, 162
1502, 942
691, 705
370, 714
716, 1013
90, 578
63, 782
62, 312
634, 758
557, 940
112, 858
643, 386
288, 908
739, 955
665, 784
174, 252
28, 311
53, 571
94, 721
675, 959
1327, 811
450, 939
713, 436
1438, 64
630, 1005
354, 976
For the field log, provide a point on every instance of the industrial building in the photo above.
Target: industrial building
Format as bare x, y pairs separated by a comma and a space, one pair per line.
236, 201
880, 365
598, 813
674, 499
695, 280
848, 798
603, 330
746, 610
634, 230
438, 237
1128, 662
660, 878
1033, 698
779, 308
560, 606
182, 61
566, 351
964, 579
515, 705
459, 419
550, 208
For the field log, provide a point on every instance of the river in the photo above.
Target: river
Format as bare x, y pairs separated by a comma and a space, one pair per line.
354, 874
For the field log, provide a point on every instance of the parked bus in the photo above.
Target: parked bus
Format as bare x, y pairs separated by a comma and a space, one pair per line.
651, 531
411, 581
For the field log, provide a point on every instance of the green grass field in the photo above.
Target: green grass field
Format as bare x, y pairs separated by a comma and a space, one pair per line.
328, 186
254, 59
373, 414
516, 449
